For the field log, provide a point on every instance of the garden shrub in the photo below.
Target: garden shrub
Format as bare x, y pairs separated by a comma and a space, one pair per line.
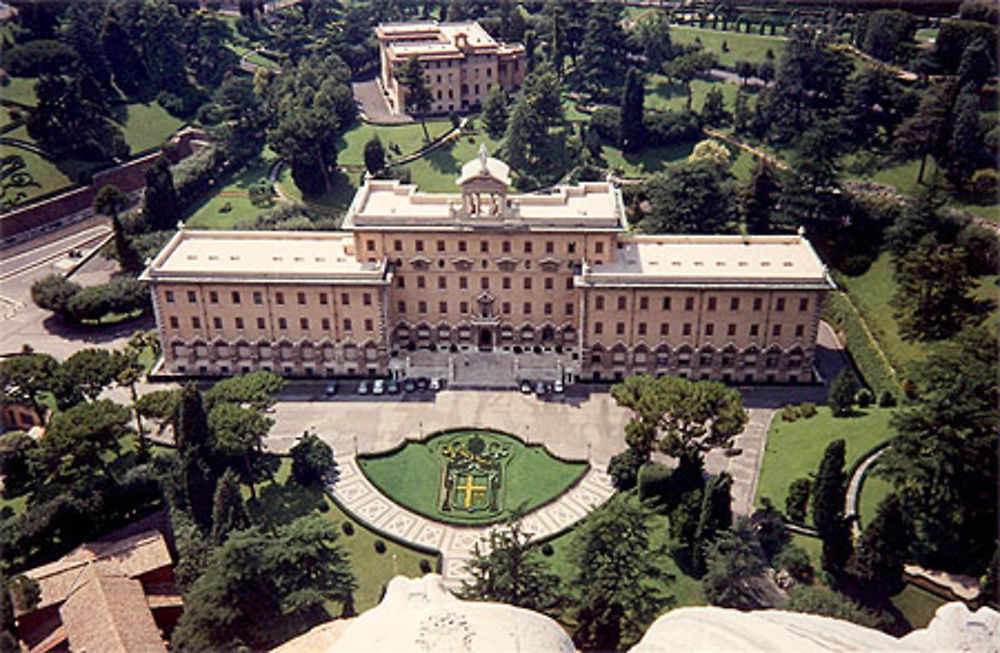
887, 399
669, 128
607, 123
864, 398
797, 501
39, 56
795, 560
547, 550
654, 481
53, 293
807, 410
981, 248
348, 528
839, 311
790, 413
624, 469
986, 185
379, 547
311, 459
120, 295
425, 566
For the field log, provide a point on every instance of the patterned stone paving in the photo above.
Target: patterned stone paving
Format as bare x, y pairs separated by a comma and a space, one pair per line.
355, 493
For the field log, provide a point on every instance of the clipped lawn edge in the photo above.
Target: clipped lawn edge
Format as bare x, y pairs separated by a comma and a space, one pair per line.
861, 346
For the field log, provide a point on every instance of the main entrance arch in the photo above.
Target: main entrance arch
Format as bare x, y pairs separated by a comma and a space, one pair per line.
485, 339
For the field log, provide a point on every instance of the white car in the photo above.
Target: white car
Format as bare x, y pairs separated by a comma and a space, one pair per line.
435, 384
363, 388
378, 387
558, 386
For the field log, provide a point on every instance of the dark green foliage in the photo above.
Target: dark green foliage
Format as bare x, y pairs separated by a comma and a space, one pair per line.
623, 468
255, 586
884, 548
669, 128
602, 51
840, 397
653, 480
53, 293
242, 120
926, 132
607, 123
511, 572
651, 37
613, 565
16, 450
312, 459
71, 117
633, 98
770, 530
815, 599
795, 560
713, 112
716, 516
24, 377
78, 442
885, 34
495, 112
348, 528
691, 197
955, 36
417, 96
160, 205
8, 624
25, 593
758, 198
193, 440
228, 512
946, 454
111, 201
91, 370
964, 150
379, 547
864, 398
734, 566
39, 57
976, 65
121, 295
828, 508
797, 500
933, 299
887, 400
126, 64
685, 68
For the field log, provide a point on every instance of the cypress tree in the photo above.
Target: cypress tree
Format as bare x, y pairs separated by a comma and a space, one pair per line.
716, 516
228, 511
760, 194
160, 205
828, 507
495, 112
191, 437
963, 154
884, 548
633, 98
840, 397
374, 155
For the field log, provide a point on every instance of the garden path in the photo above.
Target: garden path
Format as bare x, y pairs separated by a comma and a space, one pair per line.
366, 503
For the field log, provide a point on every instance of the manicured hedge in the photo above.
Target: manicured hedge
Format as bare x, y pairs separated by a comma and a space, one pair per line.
841, 313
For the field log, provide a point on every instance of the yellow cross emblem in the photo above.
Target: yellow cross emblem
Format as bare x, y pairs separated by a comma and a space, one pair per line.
469, 488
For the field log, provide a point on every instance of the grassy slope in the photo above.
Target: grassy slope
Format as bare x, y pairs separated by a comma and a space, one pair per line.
147, 125
411, 477
409, 138
747, 47
43, 172
917, 605
437, 171
286, 500
794, 449
207, 214
20, 89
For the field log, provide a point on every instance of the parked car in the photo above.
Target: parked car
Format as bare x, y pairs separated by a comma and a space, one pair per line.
409, 385
378, 387
526, 386
423, 383
330, 389
363, 388
435, 384
392, 387
541, 388
558, 386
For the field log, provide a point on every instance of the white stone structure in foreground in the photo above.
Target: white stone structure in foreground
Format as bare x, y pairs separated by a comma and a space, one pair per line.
422, 615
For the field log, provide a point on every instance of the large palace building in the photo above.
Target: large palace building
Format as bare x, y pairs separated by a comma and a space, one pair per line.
462, 62
553, 282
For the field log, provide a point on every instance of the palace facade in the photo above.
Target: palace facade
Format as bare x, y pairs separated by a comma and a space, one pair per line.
462, 63
552, 277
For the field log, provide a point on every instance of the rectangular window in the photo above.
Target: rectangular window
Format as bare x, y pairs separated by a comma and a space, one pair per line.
621, 303
709, 329
440, 245
239, 322
527, 283
711, 303
370, 245
527, 308
304, 323
442, 307
421, 282
421, 307
484, 283
804, 304
195, 322
620, 329
369, 325
462, 247
754, 330
505, 308
731, 330
527, 247
484, 246
548, 308
192, 297
779, 305
260, 323
506, 247
549, 283
236, 297
689, 304
664, 329
174, 322
463, 307
687, 329
442, 283
799, 330
569, 283
279, 298
217, 322
666, 303
463, 283
213, 296
401, 307
400, 282
571, 248
419, 245
397, 245
505, 283
569, 308
347, 324
734, 303
169, 296
366, 299
644, 303
598, 327
325, 323
599, 303
345, 299
550, 247
641, 328
758, 303
598, 248
776, 330
322, 299
302, 299
258, 298
282, 323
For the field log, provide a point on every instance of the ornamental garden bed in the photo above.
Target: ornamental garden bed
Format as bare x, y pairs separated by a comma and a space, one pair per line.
470, 476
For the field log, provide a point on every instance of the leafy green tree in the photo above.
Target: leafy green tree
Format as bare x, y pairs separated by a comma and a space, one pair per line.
160, 29
623, 468
240, 432
678, 415
742, 115
933, 298
816, 599
689, 198
716, 516
926, 132
795, 560
80, 28
601, 65
633, 98
417, 94
374, 156
650, 37
127, 67
229, 514
872, 105
840, 396
734, 568
976, 64
160, 204
92, 370
956, 36
256, 389
713, 112
758, 197
243, 118
964, 149
886, 34
79, 442
16, 448
687, 67
71, 117
193, 439
111, 201
828, 508
530, 145
884, 548
312, 459
53, 292
797, 501
206, 47
495, 112
23, 379
946, 454
511, 572
256, 586
613, 569
770, 529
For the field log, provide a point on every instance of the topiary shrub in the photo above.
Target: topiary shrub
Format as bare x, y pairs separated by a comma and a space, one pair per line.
654, 481
864, 398
807, 410
348, 528
379, 547
425, 566
311, 459
624, 469
797, 501
547, 550
887, 400
790, 413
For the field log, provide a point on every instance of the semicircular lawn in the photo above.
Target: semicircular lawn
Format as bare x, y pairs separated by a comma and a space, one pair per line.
432, 477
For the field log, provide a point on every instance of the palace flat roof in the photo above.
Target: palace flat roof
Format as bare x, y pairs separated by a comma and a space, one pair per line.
388, 203
264, 255
719, 260
431, 37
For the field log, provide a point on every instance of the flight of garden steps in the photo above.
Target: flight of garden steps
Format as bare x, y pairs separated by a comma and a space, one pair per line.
367, 504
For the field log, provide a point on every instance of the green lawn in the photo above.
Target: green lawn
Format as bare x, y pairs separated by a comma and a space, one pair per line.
20, 89
745, 47
871, 293
146, 126
338, 198
41, 176
647, 161
437, 171
412, 477
409, 138
209, 214
873, 491
917, 605
285, 500
661, 93
794, 449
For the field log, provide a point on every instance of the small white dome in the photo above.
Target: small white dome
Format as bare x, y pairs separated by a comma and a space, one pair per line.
485, 166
